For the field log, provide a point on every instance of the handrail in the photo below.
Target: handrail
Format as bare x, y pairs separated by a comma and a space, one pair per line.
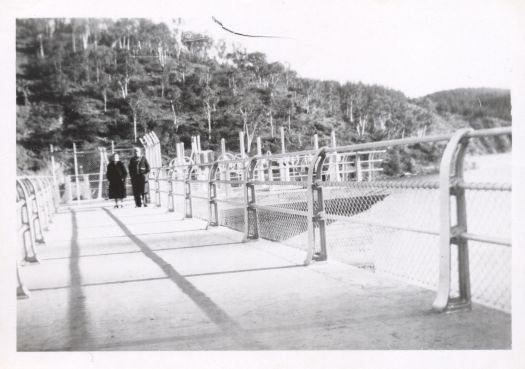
305, 172
35, 208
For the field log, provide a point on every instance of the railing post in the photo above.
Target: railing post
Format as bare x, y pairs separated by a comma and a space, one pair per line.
359, 172
101, 172
35, 215
157, 187
241, 145
171, 199
21, 291
260, 171
315, 196
251, 222
56, 192
334, 165
451, 176
26, 212
76, 172
213, 215
187, 193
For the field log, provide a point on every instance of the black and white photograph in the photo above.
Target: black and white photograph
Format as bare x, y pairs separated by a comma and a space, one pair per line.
263, 184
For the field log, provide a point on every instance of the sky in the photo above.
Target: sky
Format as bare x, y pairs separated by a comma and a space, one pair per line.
415, 46
418, 47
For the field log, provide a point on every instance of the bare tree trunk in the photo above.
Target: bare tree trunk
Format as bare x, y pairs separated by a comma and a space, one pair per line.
85, 38
208, 115
174, 115
135, 125
105, 96
351, 111
307, 103
88, 74
41, 49
271, 123
74, 42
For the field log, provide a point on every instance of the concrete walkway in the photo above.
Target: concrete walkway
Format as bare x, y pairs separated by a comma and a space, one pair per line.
144, 279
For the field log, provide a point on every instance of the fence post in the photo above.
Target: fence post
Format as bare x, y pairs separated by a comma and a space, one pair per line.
157, 187
450, 177
251, 226
260, 172
187, 193
283, 169
213, 215
359, 172
26, 212
100, 173
241, 142
334, 166
21, 291
315, 196
76, 172
56, 192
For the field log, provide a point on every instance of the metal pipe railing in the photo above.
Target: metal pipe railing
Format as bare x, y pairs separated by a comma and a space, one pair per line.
241, 183
35, 206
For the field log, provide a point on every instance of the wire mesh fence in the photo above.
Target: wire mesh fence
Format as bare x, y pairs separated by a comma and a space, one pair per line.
377, 206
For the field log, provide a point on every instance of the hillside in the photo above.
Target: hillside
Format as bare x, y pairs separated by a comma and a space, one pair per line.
90, 81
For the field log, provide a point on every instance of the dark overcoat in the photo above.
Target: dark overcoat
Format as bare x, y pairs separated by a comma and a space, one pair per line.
138, 170
116, 175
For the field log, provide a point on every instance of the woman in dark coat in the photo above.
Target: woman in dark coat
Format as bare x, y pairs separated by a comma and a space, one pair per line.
116, 175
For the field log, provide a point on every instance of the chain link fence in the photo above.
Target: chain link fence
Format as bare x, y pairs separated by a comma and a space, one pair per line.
378, 206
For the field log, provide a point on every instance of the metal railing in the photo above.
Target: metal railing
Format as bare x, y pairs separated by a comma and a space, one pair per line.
37, 200
414, 228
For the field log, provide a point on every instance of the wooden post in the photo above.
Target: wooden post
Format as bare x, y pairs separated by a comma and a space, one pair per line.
223, 147
56, 192
283, 144
358, 168
282, 167
76, 172
334, 166
241, 141
101, 172
316, 142
260, 171
112, 147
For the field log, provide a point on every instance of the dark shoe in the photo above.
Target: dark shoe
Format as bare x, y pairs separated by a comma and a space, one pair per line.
145, 205
116, 206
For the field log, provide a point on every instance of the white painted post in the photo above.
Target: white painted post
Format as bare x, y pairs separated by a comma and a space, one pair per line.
241, 140
334, 167
100, 173
316, 142
112, 147
283, 144
56, 192
260, 171
282, 167
76, 172
358, 168
224, 168
223, 147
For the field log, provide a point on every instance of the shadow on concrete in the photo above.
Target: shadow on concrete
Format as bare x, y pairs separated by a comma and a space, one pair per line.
162, 278
77, 316
218, 316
